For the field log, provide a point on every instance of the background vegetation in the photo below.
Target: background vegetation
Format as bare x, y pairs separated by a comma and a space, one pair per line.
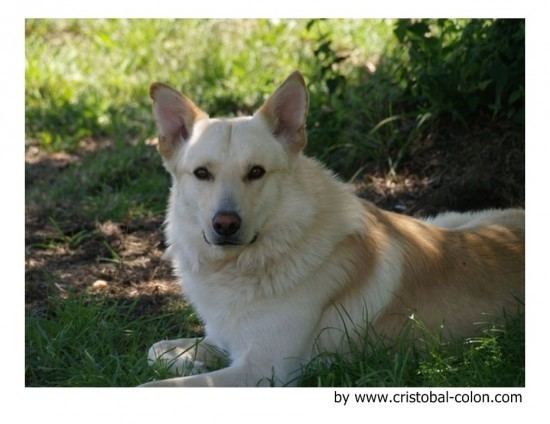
432, 108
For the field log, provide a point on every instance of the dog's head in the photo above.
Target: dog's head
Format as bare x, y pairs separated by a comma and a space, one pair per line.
230, 175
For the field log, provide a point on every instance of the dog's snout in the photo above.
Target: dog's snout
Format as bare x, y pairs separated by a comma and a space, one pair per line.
226, 223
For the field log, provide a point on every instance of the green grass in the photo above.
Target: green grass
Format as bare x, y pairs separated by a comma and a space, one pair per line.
95, 341
226, 66
494, 358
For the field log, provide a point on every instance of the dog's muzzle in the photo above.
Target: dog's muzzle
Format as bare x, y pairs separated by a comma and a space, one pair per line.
221, 241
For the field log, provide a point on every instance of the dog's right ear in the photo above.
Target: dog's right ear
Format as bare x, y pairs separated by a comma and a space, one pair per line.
285, 112
175, 116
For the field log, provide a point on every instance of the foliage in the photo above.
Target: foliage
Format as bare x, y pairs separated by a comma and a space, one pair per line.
464, 68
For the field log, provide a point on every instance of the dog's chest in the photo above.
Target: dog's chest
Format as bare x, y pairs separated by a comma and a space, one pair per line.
225, 303
236, 314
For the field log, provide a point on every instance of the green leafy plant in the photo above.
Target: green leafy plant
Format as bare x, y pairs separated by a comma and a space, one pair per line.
464, 68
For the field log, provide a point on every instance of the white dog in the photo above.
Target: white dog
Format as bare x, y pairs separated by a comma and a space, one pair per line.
271, 248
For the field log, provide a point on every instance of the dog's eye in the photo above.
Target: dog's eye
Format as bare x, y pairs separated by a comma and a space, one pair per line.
202, 174
256, 172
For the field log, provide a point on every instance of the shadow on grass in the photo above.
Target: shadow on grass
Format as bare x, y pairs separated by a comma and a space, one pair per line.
98, 341
494, 358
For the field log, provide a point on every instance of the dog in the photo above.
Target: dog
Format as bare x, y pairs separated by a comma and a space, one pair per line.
280, 258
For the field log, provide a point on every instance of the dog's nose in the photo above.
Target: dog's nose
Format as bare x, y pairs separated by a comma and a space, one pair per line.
226, 223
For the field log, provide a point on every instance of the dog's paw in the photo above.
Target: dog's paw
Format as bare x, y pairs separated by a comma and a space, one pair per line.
177, 360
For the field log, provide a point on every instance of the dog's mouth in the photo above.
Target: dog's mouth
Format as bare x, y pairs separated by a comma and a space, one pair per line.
228, 242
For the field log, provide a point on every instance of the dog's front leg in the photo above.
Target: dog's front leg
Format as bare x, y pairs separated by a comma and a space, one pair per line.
274, 342
232, 376
245, 372
186, 356
262, 363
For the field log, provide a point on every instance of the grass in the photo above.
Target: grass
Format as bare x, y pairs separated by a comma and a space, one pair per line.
97, 341
494, 358
70, 95
114, 183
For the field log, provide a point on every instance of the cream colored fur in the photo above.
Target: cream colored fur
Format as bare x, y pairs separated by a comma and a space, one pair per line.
314, 259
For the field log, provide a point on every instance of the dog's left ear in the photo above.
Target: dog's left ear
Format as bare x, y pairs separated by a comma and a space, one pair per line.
285, 112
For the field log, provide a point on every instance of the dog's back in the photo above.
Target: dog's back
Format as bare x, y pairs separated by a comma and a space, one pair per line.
452, 273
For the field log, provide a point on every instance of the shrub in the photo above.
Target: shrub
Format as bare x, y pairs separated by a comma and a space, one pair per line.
464, 68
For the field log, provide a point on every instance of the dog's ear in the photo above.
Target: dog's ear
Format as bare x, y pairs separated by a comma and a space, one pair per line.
175, 115
285, 112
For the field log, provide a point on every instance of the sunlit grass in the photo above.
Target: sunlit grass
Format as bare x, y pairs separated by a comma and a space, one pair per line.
90, 78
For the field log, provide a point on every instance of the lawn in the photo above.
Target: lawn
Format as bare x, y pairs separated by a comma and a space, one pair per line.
383, 115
